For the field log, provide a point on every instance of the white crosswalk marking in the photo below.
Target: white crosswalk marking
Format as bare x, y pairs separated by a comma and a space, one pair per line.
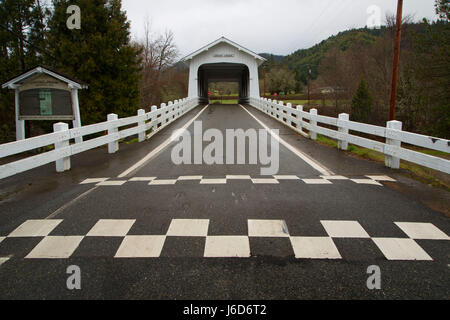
267, 228
142, 179
188, 228
55, 248
188, 178
95, 180
315, 248
276, 179
213, 181
265, 181
35, 228
227, 246
316, 181
111, 228
141, 247
239, 177
334, 178
344, 229
422, 231
381, 178
162, 182
401, 249
111, 183
367, 181
287, 177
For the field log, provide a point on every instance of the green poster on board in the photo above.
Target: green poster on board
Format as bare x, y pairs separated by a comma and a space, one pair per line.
45, 98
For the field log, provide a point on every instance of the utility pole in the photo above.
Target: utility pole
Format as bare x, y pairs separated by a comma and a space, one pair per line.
398, 34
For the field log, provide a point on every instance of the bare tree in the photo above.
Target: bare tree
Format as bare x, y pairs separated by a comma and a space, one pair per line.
166, 50
159, 53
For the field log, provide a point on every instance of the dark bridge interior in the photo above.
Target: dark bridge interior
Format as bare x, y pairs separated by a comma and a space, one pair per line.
223, 72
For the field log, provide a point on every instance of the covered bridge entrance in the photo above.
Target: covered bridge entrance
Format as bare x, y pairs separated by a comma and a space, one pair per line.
223, 61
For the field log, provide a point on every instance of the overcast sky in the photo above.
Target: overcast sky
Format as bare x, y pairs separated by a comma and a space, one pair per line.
273, 26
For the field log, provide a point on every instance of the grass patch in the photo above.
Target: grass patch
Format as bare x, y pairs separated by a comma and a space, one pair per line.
412, 170
223, 101
135, 140
326, 141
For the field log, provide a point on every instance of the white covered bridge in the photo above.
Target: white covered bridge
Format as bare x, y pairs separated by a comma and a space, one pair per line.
223, 61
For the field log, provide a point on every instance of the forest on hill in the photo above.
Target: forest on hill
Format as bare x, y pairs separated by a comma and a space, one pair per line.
341, 66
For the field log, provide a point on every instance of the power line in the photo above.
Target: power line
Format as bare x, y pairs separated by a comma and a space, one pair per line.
337, 14
327, 8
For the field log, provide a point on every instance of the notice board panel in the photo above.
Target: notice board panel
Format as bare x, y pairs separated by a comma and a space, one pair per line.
45, 104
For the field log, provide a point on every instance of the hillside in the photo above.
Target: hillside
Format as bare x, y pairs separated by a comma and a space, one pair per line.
276, 58
301, 60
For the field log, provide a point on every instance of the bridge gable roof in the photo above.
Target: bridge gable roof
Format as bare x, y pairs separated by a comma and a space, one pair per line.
223, 40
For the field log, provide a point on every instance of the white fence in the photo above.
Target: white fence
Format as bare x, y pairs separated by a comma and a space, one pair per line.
294, 118
155, 121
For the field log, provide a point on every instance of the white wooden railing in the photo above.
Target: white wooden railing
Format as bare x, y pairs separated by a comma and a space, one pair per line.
155, 120
295, 118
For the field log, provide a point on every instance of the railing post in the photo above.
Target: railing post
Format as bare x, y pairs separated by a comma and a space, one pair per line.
62, 164
141, 124
164, 114
280, 112
393, 142
289, 114
299, 118
154, 118
174, 111
181, 107
343, 144
313, 123
170, 111
113, 146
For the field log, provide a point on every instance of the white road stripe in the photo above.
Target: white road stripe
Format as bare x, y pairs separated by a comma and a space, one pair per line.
162, 182
238, 177
313, 163
265, 181
162, 146
95, 180
382, 178
111, 183
68, 204
3, 260
366, 181
334, 178
287, 177
316, 181
190, 178
213, 181
142, 179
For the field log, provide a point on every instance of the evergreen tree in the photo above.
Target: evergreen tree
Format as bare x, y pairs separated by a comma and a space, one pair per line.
99, 54
22, 33
362, 103
443, 9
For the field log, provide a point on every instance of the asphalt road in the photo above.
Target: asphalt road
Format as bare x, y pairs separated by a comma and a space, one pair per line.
168, 231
